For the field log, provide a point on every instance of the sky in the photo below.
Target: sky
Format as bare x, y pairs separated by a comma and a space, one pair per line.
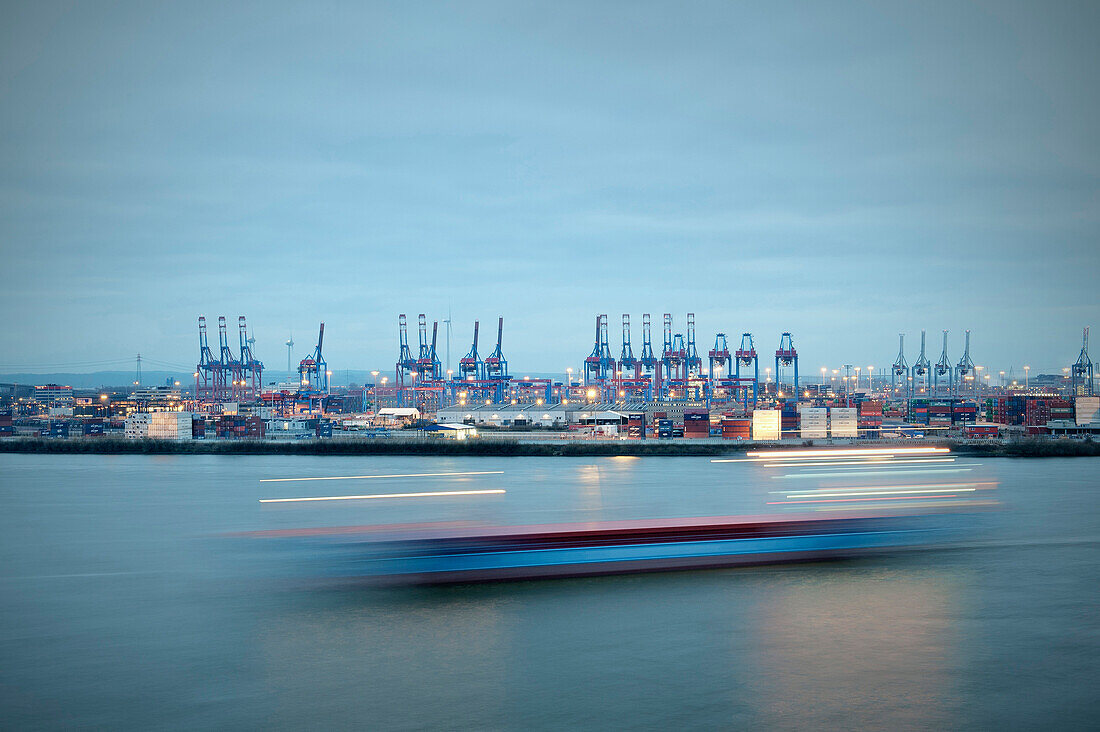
844, 171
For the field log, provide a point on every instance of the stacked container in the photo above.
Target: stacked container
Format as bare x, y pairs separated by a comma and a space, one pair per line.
635, 426
918, 411
939, 415
7, 425
765, 424
1086, 409
137, 426
964, 412
980, 430
1008, 410
815, 423
788, 418
1061, 409
233, 427
736, 428
170, 425
843, 422
664, 429
696, 422
870, 416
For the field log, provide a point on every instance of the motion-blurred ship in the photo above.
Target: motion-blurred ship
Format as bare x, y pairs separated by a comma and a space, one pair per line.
426, 554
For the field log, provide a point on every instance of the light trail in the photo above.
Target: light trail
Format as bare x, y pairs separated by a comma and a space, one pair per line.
932, 471
384, 495
784, 454
922, 503
869, 461
855, 500
368, 477
883, 493
882, 453
913, 487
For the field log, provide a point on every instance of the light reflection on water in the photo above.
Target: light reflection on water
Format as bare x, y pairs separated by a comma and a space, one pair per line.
121, 606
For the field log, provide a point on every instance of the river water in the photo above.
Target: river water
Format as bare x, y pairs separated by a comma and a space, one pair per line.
125, 602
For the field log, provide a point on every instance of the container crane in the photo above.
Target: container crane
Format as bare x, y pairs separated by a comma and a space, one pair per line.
676, 358
428, 365
626, 358
786, 355
599, 365
943, 368
228, 365
433, 354
673, 352
406, 364
1082, 384
648, 362
922, 368
719, 355
312, 370
209, 378
900, 368
251, 368
693, 364
470, 366
965, 367
496, 366
746, 356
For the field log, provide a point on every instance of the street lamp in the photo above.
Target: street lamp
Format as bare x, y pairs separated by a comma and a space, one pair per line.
870, 376
1026, 369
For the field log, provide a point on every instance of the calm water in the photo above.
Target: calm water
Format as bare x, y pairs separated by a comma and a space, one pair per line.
124, 605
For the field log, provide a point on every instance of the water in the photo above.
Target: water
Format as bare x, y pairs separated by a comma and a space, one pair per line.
124, 605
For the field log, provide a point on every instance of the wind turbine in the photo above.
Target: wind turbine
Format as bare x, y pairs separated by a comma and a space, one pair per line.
289, 345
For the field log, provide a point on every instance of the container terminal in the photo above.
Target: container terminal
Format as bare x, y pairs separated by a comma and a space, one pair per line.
669, 390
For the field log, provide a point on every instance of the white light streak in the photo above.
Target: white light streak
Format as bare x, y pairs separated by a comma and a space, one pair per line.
868, 461
384, 495
913, 487
369, 477
845, 494
931, 471
783, 454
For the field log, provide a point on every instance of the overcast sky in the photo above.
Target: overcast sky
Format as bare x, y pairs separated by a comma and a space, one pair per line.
844, 171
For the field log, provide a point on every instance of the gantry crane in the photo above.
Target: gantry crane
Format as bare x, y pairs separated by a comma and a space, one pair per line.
693, 364
496, 366
470, 366
943, 368
251, 368
1082, 383
626, 357
719, 356
786, 355
900, 368
599, 366
209, 378
312, 370
965, 367
406, 364
746, 356
922, 368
